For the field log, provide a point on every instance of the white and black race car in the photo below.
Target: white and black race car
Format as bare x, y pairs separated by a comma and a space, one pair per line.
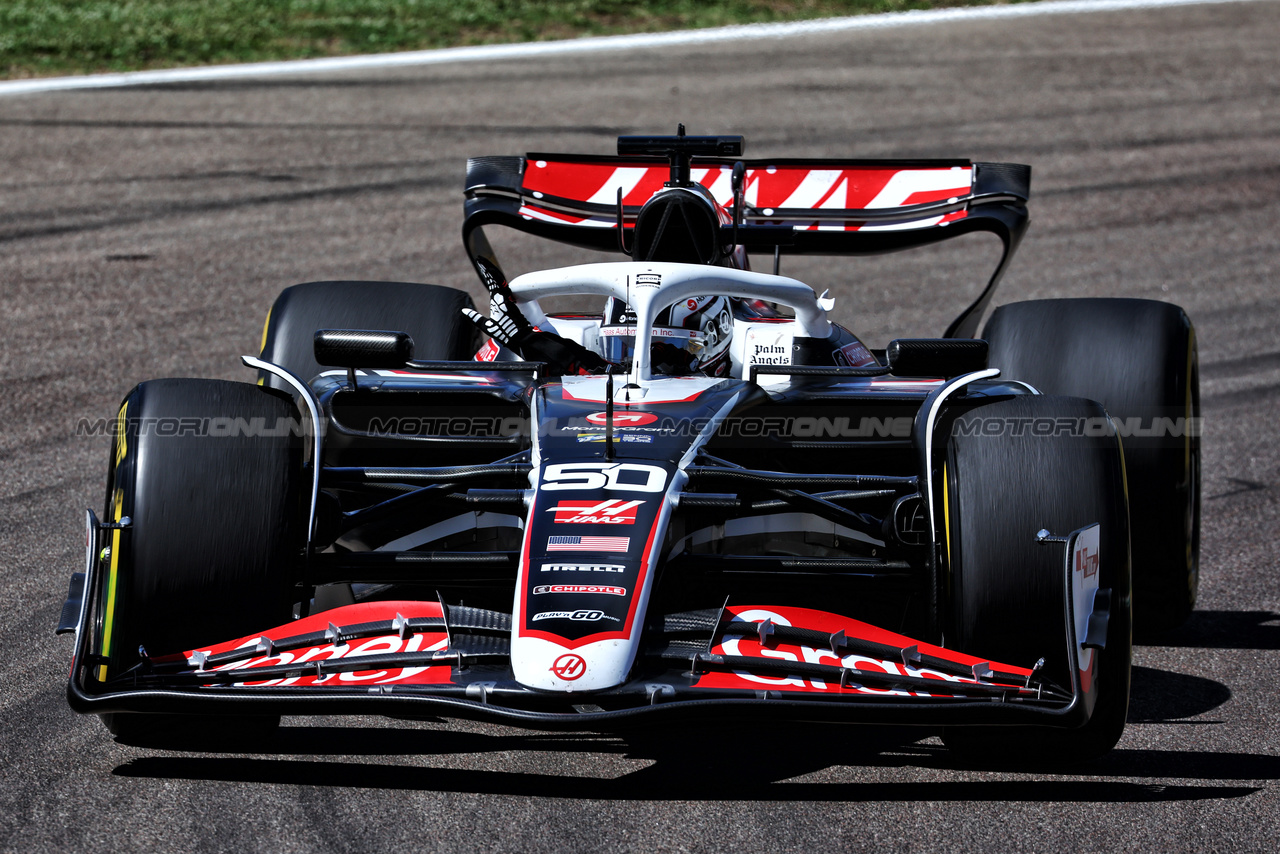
703, 498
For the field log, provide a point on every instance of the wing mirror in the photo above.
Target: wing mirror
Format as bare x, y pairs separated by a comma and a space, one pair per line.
362, 348
936, 357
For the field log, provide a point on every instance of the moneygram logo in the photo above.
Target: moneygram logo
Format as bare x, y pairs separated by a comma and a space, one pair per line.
623, 419
615, 511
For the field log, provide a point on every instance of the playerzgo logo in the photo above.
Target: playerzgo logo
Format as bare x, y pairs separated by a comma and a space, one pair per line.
581, 615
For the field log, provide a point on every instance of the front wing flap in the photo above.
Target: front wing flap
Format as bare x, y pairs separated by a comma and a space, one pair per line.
419, 659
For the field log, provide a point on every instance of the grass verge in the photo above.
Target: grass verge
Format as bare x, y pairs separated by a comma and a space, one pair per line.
49, 37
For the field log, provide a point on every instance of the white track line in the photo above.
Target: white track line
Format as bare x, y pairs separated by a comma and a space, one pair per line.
492, 53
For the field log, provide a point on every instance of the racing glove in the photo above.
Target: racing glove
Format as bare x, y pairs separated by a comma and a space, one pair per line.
507, 325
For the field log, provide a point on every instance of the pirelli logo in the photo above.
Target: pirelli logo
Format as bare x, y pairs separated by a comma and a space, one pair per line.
583, 567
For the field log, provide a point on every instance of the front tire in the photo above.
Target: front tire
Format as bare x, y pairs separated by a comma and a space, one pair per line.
207, 471
1006, 590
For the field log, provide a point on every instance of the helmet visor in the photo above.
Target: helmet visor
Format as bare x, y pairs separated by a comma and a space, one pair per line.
620, 343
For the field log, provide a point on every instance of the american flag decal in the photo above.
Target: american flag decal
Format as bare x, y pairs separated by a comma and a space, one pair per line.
588, 544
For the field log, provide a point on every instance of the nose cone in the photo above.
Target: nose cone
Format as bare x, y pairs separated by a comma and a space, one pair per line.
548, 666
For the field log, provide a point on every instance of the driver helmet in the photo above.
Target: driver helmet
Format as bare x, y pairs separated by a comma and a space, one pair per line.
689, 337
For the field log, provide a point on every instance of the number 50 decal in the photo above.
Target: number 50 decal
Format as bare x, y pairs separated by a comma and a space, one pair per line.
630, 477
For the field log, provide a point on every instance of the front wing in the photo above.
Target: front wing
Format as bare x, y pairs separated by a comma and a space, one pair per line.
422, 659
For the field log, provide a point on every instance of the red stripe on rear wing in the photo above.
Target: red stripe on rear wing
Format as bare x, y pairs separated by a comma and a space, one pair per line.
836, 196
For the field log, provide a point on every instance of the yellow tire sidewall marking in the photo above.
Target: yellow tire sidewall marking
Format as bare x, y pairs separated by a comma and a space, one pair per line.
111, 594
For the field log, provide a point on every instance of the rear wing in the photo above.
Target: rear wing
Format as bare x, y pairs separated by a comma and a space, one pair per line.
794, 207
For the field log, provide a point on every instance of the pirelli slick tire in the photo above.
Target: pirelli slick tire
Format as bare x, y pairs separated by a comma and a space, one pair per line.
431, 314
208, 474
1139, 359
1014, 468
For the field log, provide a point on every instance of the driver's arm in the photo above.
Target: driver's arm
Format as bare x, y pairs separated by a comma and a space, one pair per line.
507, 325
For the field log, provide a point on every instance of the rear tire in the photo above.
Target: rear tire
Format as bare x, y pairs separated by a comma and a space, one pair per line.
431, 314
1006, 589
1139, 359
208, 473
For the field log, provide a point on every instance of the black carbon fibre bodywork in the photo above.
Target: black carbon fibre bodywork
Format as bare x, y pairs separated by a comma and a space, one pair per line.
492, 540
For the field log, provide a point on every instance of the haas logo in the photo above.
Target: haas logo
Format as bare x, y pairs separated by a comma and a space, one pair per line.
569, 667
613, 511
1087, 563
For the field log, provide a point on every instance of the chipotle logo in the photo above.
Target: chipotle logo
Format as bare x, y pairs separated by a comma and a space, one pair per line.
580, 588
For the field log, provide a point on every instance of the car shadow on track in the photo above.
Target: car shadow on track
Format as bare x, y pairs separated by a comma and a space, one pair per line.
1224, 630
1161, 696
798, 763
744, 774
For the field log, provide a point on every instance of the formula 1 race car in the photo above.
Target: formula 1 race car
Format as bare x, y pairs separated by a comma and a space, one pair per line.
701, 499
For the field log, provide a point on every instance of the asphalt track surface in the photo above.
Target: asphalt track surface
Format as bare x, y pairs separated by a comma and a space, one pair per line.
145, 231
